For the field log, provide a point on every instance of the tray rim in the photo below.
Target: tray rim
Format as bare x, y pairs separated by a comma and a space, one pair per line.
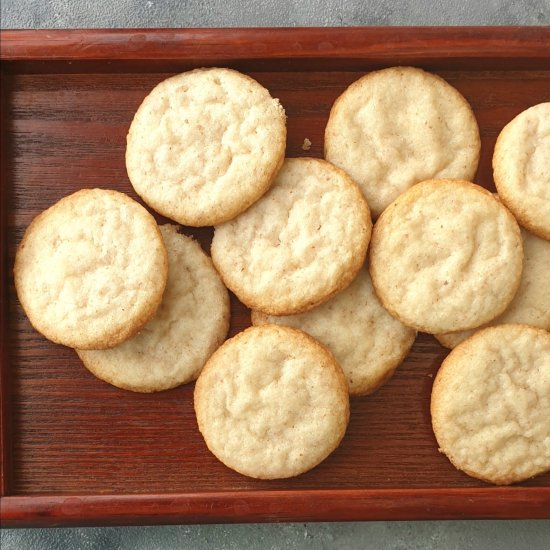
276, 506
305, 48
310, 49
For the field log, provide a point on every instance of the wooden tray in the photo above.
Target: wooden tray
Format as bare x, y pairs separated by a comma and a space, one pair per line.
76, 451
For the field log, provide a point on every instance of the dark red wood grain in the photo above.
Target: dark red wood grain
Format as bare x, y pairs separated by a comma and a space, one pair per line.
78, 451
283, 48
278, 505
5, 175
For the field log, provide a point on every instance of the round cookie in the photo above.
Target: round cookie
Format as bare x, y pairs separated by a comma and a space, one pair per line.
301, 243
521, 168
531, 304
396, 127
190, 324
204, 145
91, 269
366, 340
446, 256
272, 403
491, 404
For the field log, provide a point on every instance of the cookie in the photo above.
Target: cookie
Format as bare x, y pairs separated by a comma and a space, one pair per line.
491, 404
521, 168
396, 127
446, 256
272, 403
191, 323
91, 269
366, 340
300, 244
531, 304
204, 145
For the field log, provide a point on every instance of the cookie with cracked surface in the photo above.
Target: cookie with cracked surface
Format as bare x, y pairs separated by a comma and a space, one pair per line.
521, 168
300, 244
446, 256
398, 126
490, 404
272, 402
365, 339
204, 145
531, 304
190, 324
91, 269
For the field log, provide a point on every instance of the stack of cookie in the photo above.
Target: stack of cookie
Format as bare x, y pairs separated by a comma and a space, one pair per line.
147, 310
447, 258
142, 305
96, 273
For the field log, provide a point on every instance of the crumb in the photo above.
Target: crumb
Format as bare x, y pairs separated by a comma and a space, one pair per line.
306, 145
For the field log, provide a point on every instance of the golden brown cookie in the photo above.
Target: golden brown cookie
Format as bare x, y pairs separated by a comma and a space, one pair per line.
91, 269
521, 168
300, 244
446, 256
399, 126
272, 403
491, 404
204, 145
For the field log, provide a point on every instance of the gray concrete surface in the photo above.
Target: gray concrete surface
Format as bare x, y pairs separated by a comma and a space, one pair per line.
228, 13
424, 535
448, 535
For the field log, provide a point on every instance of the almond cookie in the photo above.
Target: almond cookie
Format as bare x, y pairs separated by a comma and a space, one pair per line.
491, 404
302, 242
191, 323
531, 304
272, 403
204, 145
446, 256
91, 269
399, 126
521, 168
365, 339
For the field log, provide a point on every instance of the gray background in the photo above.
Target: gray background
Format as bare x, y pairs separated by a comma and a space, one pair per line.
266, 13
449, 535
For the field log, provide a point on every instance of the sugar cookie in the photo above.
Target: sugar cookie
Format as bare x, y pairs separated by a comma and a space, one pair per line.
91, 269
521, 168
399, 126
446, 256
272, 402
301, 243
204, 145
491, 404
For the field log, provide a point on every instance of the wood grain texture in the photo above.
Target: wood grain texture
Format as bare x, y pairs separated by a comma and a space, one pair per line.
278, 505
5, 388
66, 434
284, 48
